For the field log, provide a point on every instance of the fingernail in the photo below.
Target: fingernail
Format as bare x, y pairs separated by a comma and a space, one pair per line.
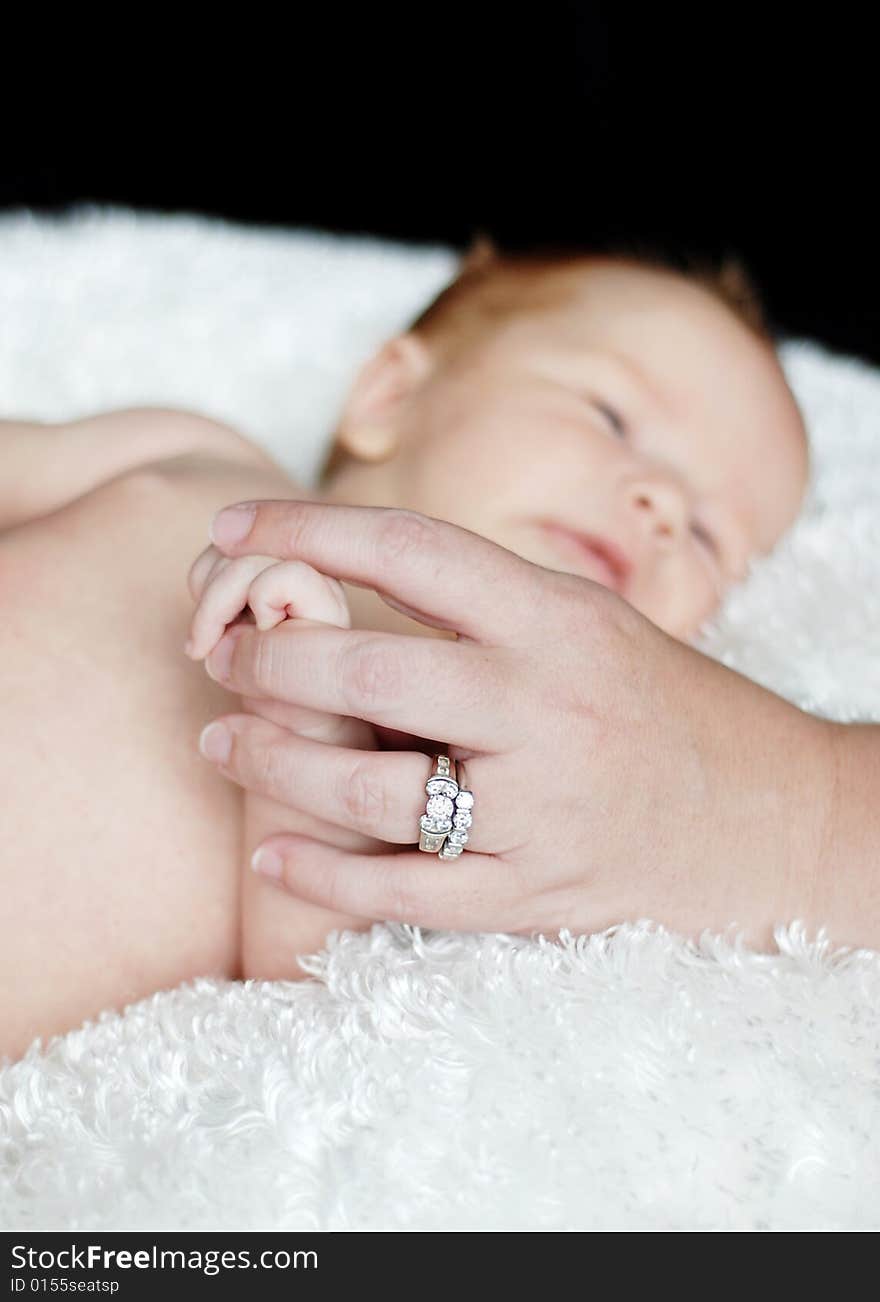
232, 524
219, 662
267, 862
215, 742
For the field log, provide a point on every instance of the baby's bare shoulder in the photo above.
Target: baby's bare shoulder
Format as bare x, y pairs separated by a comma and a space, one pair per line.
142, 435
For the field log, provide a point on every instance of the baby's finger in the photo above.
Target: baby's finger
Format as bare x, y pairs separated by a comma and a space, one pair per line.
295, 589
201, 570
224, 597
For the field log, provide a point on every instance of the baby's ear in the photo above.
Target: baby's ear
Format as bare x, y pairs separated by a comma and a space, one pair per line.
735, 279
480, 253
741, 290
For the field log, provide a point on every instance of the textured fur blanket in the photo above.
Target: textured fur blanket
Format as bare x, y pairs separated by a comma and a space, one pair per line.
436, 1081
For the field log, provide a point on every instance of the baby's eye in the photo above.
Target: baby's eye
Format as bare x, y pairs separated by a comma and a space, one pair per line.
612, 417
705, 538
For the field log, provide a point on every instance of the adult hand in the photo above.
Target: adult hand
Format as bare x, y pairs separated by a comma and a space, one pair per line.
618, 774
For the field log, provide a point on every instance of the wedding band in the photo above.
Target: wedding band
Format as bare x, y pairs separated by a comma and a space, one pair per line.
437, 821
443, 828
457, 837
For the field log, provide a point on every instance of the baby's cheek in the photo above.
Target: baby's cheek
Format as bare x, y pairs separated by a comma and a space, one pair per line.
704, 609
679, 602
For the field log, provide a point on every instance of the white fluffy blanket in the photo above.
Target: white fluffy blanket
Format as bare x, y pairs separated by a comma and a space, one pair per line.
439, 1081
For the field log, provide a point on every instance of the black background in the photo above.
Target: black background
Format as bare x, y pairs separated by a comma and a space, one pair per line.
561, 124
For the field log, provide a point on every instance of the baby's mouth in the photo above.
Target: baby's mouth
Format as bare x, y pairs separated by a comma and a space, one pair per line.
596, 558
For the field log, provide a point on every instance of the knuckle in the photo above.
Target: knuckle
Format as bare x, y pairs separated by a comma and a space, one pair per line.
298, 532
587, 614
363, 796
334, 896
402, 904
271, 767
370, 674
610, 612
329, 887
405, 533
267, 661
261, 588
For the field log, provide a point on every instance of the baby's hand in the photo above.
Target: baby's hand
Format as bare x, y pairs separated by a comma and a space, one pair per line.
272, 591
274, 930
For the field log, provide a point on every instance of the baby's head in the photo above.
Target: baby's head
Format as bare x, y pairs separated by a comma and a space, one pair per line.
612, 396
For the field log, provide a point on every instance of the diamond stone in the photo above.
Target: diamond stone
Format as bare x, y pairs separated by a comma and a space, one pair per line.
451, 851
462, 819
464, 800
439, 825
458, 836
439, 807
441, 787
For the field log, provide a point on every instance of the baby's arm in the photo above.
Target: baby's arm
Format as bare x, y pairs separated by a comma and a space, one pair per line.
276, 927
48, 464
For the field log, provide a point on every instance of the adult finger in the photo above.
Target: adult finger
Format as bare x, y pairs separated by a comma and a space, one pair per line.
329, 728
474, 892
438, 573
379, 793
419, 685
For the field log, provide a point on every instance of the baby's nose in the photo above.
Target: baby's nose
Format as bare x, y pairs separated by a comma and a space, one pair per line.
662, 506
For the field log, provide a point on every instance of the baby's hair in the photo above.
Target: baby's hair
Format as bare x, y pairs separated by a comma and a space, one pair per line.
503, 283
492, 285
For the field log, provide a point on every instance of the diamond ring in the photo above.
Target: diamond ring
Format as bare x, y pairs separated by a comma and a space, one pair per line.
443, 828
437, 821
456, 838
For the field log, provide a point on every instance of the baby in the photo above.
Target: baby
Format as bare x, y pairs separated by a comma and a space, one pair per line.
607, 416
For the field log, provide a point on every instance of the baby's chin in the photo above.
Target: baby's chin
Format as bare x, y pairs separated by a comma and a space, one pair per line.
694, 630
689, 627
